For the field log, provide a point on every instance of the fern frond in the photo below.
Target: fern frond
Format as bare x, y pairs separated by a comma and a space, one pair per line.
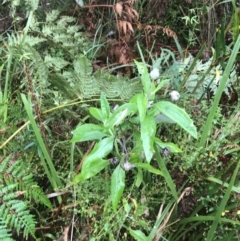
82, 83
64, 20
31, 40
19, 217
32, 4
15, 212
5, 233
37, 194
60, 82
55, 62
52, 16
39, 66
16, 180
19, 178
47, 30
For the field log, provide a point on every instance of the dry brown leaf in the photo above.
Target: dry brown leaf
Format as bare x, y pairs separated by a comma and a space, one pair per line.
140, 26
125, 26
130, 27
135, 13
129, 12
147, 27
122, 59
169, 32
122, 26
119, 8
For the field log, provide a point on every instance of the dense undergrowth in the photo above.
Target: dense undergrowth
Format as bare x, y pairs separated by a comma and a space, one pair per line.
108, 133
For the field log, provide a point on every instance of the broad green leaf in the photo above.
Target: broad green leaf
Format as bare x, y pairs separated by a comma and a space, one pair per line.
143, 72
96, 113
120, 114
87, 132
177, 114
94, 163
105, 107
92, 168
142, 106
117, 186
100, 150
138, 235
174, 148
148, 131
149, 168
163, 118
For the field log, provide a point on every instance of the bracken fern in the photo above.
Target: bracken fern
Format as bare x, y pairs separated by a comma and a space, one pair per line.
16, 181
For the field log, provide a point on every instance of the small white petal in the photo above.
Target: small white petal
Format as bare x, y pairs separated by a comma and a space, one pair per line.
174, 95
154, 74
126, 166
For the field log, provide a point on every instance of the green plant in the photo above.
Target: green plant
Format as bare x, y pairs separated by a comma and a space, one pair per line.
17, 182
129, 134
192, 20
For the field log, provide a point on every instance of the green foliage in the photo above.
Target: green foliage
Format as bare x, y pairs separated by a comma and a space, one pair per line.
29, 5
117, 186
17, 181
4, 231
82, 83
204, 75
138, 112
129, 172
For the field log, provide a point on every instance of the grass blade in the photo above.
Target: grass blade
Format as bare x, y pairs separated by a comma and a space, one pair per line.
165, 172
46, 161
221, 208
219, 92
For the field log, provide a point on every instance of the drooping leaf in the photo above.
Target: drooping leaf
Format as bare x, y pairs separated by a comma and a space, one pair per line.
117, 186
96, 113
100, 150
94, 162
149, 168
87, 132
173, 147
138, 235
93, 167
165, 172
120, 114
177, 114
148, 131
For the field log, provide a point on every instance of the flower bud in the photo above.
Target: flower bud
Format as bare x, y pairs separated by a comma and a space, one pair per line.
174, 95
154, 74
